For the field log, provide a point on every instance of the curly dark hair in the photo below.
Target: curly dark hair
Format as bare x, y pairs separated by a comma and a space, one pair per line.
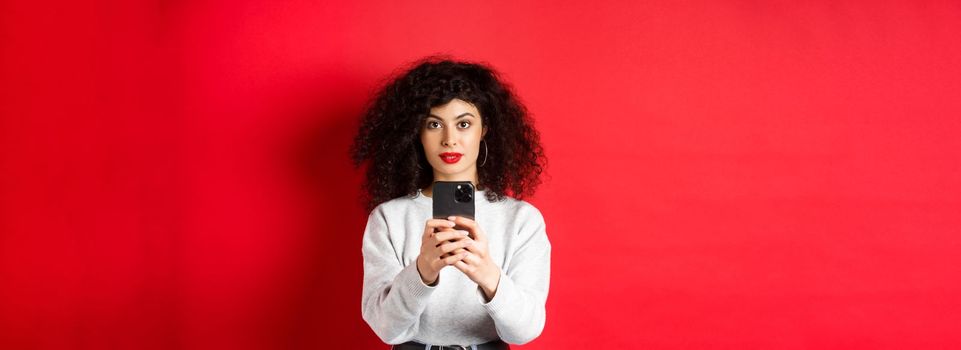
388, 139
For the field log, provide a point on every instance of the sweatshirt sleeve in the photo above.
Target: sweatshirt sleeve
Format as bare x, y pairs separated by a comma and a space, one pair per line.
394, 296
518, 306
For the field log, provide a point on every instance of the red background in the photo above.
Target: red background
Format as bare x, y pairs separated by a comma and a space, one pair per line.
740, 174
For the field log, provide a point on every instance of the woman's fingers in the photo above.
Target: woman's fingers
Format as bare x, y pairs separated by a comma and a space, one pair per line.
470, 225
461, 265
444, 236
472, 259
452, 246
456, 251
478, 247
463, 243
436, 224
438, 232
469, 258
450, 260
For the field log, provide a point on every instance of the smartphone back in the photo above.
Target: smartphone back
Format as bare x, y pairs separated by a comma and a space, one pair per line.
453, 198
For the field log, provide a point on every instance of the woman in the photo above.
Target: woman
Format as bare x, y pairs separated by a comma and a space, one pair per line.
483, 283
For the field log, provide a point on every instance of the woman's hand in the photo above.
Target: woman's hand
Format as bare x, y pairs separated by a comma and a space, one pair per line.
477, 264
439, 239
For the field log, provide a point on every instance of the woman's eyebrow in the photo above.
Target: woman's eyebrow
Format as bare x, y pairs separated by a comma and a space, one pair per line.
457, 117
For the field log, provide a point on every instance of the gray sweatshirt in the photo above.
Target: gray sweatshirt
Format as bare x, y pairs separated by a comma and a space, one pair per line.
399, 307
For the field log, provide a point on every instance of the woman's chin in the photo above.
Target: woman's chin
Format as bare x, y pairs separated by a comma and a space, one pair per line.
451, 170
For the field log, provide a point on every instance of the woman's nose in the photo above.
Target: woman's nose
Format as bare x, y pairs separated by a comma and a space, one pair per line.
449, 140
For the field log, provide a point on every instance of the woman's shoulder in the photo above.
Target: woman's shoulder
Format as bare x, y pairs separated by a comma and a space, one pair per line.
401, 203
518, 207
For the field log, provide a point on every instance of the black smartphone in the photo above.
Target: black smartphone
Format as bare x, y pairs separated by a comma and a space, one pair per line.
453, 198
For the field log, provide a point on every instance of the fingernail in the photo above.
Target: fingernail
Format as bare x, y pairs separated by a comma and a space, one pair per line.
451, 218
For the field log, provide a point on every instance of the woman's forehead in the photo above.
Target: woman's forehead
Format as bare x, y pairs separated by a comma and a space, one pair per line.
454, 109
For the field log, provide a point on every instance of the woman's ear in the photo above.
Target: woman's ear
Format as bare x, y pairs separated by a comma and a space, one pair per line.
484, 133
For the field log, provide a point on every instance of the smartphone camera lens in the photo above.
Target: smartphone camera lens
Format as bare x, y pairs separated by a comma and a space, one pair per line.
464, 194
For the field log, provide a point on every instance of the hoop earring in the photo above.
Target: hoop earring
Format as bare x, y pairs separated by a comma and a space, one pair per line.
485, 154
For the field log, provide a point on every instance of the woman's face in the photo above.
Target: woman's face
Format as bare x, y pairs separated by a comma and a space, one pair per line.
451, 136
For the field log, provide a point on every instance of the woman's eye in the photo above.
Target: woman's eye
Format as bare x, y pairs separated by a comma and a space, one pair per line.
464, 125
433, 125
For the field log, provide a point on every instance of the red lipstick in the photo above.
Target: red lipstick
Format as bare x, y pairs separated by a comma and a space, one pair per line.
450, 157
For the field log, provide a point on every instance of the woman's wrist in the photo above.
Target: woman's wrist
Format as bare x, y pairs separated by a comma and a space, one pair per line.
489, 287
428, 276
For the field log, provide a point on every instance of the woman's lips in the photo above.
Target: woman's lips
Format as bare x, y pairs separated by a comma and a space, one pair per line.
450, 157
